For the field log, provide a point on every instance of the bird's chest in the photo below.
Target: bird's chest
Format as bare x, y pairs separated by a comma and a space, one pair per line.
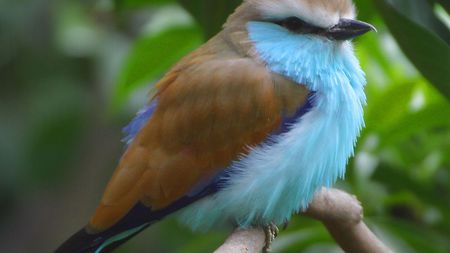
279, 177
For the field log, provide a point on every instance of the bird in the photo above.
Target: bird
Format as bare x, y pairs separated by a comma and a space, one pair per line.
244, 130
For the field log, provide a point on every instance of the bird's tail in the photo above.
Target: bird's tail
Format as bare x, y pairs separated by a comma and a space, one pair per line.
138, 219
84, 242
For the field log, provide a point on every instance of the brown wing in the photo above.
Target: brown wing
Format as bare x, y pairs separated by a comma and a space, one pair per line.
209, 112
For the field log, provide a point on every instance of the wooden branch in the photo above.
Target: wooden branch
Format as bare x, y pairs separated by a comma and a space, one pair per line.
342, 215
251, 241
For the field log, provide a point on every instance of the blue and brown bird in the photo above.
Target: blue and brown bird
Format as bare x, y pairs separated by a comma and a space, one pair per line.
242, 131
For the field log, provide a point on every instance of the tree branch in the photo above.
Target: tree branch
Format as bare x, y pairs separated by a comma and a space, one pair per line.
342, 215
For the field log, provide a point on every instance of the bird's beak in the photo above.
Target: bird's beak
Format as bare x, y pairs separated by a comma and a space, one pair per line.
348, 29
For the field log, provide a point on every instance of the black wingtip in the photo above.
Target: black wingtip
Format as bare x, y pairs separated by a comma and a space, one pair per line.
137, 219
80, 242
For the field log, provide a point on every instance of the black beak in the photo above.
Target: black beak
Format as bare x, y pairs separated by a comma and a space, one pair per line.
348, 29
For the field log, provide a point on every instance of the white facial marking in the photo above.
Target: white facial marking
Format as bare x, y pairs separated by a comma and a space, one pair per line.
314, 14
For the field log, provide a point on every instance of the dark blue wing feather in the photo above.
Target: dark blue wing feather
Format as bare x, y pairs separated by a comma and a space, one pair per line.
142, 117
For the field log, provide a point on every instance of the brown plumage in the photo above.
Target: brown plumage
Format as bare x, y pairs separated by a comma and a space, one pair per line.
212, 106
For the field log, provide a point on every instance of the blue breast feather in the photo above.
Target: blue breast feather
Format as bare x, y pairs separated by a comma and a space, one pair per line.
280, 177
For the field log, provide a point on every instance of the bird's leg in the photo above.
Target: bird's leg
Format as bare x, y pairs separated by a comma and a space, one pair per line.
271, 232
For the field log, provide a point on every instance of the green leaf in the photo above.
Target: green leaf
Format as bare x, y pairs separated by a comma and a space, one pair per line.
151, 56
429, 53
433, 116
210, 15
384, 110
422, 13
445, 4
365, 10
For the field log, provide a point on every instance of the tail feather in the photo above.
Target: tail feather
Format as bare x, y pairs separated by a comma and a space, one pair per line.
139, 218
80, 242
83, 242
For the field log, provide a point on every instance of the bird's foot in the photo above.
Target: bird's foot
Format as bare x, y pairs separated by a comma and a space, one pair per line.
271, 232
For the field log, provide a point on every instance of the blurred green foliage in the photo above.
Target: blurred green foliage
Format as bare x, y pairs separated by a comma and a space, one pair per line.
152, 55
72, 73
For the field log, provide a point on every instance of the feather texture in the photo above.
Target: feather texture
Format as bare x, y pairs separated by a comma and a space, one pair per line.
142, 117
322, 13
281, 176
210, 109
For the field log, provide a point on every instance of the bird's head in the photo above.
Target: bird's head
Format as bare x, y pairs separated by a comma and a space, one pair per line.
308, 41
329, 19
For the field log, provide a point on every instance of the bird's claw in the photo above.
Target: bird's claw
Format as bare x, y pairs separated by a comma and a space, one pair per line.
271, 232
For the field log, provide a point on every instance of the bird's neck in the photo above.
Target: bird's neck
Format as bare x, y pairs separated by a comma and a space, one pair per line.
323, 66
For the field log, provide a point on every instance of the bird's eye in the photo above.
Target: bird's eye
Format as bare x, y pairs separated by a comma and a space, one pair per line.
297, 25
292, 23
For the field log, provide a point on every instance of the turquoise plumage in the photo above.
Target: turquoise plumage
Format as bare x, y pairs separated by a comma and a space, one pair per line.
276, 180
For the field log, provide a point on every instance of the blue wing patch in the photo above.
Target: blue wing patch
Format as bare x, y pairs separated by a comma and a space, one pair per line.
133, 128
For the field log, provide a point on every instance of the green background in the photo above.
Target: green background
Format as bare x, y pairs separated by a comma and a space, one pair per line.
72, 73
